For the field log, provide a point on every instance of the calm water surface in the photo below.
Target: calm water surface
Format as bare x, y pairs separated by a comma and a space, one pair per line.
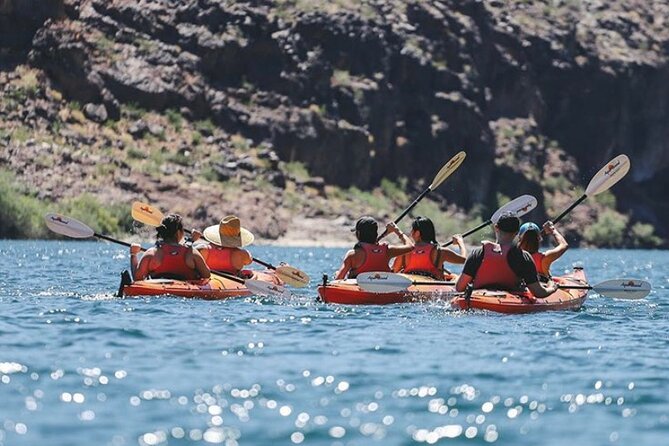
81, 367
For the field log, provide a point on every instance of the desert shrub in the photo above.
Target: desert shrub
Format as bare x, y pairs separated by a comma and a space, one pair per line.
608, 230
642, 235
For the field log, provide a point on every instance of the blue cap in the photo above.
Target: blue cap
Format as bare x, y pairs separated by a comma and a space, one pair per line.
529, 226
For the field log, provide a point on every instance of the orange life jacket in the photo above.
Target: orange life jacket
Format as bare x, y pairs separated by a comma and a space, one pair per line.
376, 259
538, 258
220, 259
419, 261
495, 271
173, 264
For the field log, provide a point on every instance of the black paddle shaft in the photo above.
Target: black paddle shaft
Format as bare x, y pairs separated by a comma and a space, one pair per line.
113, 240
568, 210
407, 210
413, 205
470, 232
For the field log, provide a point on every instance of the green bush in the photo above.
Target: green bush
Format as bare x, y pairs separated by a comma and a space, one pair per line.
21, 211
206, 127
297, 170
608, 230
607, 199
104, 218
643, 236
174, 118
557, 183
395, 190
134, 153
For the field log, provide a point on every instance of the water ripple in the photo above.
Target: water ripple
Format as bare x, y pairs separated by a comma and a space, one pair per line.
79, 366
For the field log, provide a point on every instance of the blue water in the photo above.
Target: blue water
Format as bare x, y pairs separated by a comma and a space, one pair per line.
81, 367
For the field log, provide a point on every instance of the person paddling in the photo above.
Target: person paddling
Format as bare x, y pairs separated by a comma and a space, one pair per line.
503, 265
224, 251
168, 259
367, 255
530, 239
427, 258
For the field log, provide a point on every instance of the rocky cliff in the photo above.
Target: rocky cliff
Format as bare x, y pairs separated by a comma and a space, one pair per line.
539, 93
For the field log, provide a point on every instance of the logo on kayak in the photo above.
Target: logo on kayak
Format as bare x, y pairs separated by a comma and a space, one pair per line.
611, 168
146, 209
630, 284
58, 219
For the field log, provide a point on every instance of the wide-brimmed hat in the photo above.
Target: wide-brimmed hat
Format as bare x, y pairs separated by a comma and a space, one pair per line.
228, 233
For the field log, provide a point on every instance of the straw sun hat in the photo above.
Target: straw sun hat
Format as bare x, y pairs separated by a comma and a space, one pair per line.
228, 233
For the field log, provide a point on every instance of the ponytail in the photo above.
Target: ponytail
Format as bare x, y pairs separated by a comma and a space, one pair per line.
426, 228
168, 228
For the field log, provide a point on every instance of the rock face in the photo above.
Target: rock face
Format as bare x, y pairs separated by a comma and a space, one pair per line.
364, 90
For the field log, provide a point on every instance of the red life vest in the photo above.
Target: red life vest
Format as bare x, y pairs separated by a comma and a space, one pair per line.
495, 271
419, 261
173, 264
220, 259
538, 258
376, 259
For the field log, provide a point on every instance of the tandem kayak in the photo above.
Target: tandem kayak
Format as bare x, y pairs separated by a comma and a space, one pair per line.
524, 302
216, 288
348, 292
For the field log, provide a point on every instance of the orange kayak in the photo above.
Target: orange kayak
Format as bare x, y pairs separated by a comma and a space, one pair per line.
348, 292
216, 288
524, 302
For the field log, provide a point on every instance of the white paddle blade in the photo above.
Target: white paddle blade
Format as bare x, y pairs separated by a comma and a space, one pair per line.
292, 276
147, 214
67, 226
446, 171
261, 288
378, 282
608, 175
518, 207
623, 288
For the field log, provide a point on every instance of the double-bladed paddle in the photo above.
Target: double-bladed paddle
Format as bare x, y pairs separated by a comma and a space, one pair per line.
603, 180
73, 228
518, 207
446, 171
380, 282
152, 216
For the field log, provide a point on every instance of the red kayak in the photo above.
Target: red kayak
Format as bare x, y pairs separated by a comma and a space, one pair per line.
348, 292
216, 288
524, 302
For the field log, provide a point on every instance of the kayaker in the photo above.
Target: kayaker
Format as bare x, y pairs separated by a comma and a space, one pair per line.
169, 258
368, 255
224, 251
503, 265
427, 258
530, 239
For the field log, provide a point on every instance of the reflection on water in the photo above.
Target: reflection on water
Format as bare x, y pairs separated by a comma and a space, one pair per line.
79, 366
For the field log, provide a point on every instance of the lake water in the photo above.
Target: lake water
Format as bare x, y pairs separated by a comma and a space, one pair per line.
81, 367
